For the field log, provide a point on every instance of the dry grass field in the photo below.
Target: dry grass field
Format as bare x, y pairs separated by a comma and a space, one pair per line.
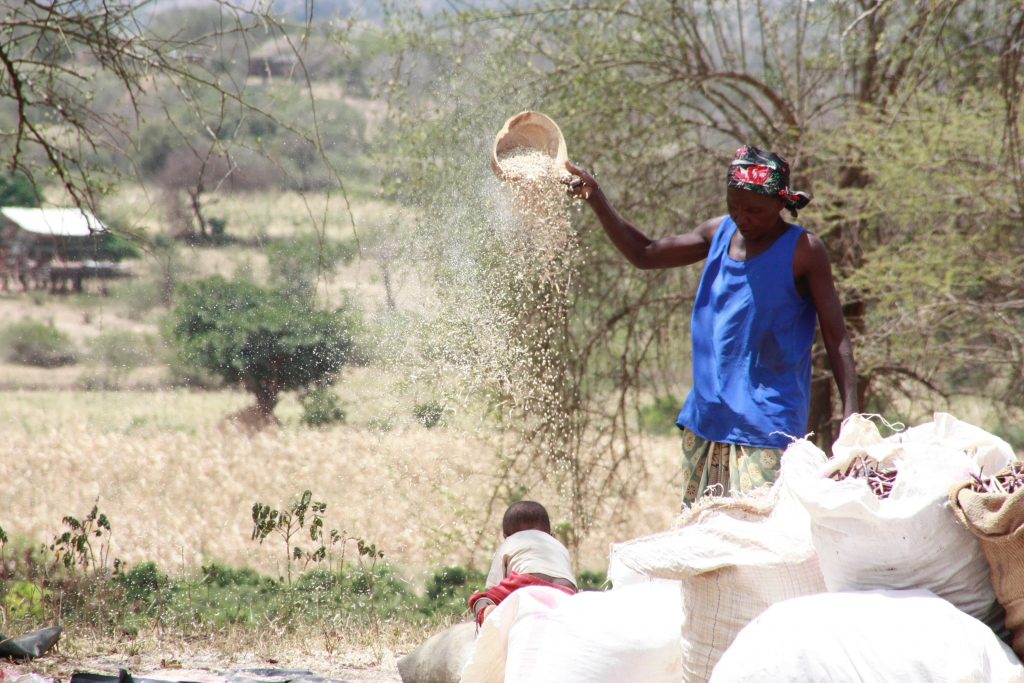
178, 488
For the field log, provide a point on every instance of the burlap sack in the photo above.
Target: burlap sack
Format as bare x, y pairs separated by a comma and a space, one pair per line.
441, 657
997, 519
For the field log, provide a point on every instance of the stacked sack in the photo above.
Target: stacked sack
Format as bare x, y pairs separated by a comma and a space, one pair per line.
880, 517
850, 568
909, 586
733, 558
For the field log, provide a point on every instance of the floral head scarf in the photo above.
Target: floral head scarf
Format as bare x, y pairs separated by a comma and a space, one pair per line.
765, 173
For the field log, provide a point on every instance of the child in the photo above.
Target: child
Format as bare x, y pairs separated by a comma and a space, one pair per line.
529, 556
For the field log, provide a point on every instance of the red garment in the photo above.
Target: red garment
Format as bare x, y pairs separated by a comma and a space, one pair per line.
511, 583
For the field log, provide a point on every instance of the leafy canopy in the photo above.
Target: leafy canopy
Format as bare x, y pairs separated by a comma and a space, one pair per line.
259, 337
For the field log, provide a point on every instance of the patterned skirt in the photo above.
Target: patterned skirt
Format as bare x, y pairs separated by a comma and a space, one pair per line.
722, 469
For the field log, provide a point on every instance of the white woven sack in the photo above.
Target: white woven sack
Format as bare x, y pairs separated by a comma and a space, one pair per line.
734, 558
540, 635
878, 636
910, 539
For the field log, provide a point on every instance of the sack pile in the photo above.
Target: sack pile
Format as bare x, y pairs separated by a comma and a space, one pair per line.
841, 546
883, 563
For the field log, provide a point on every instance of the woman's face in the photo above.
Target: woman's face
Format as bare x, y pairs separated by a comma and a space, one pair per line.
756, 215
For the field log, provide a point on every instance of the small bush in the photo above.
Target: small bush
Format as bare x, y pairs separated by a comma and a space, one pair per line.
24, 599
321, 407
113, 247
123, 350
219, 230
430, 414
450, 580
592, 581
378, 590
260, 338
143, 582
30, 342
318, 581
221, 576
449, 589
17, 190
117, 353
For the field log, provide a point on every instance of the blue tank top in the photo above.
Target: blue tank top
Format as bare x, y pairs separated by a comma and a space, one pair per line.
752, 335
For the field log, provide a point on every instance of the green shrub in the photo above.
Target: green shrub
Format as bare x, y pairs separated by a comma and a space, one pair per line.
321, 407
24, 599
18, 190
222, 576
219, 230
318, 581
591, 581
30, 342
449, 581
448, 591
123, 350
143, 582
113, 247
430, 414
378, 590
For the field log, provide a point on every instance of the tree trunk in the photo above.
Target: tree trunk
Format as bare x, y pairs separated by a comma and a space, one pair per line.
266, 396
193, 195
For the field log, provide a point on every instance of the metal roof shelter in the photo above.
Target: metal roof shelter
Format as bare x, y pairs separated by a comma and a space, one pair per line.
54, 222
51, 247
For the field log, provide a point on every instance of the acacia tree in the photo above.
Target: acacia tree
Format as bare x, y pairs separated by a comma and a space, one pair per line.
265, 340
199, 173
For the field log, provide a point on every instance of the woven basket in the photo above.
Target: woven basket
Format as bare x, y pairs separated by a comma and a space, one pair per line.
528, 130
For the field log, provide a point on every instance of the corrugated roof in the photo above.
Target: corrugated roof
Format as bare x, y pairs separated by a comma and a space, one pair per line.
57, 222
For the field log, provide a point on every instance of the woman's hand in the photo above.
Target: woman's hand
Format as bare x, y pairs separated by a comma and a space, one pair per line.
582, 184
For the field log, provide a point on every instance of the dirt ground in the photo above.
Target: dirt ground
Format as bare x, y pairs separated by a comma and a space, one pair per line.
211, 659
61, 668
